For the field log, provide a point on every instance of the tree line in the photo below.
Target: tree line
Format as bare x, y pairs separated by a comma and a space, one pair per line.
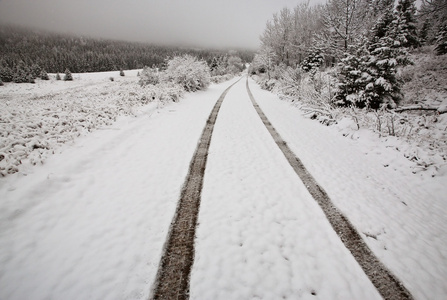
28, 51
366, 39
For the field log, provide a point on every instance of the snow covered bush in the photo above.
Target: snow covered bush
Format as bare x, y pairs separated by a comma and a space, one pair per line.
149, 76
235, 65
164, 92
189, 72
122, 72
221, 78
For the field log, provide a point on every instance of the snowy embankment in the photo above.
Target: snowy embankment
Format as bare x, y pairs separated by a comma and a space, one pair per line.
90, 223
401, 215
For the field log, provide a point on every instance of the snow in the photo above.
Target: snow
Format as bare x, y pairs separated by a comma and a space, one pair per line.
261, 234
90, 221
375, 187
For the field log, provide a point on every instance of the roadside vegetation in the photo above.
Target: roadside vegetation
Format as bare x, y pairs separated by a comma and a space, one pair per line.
381, 67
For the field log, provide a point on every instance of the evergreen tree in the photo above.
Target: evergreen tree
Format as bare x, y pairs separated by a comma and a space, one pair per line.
68, 76
1, 82
122, 72
20, 74
383, 23
214, 64
368, 78
352, 77
35, 70
441, 41
6, 74
406, 16
44, 75
30, 78
313, 61
58, 76
424, 32
383, 86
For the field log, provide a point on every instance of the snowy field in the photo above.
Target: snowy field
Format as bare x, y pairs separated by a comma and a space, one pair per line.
36, 119
90, 220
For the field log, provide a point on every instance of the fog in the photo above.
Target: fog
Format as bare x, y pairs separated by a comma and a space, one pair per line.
197, 23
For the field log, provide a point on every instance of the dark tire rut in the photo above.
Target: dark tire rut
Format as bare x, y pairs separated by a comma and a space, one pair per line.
385, 282
172, 280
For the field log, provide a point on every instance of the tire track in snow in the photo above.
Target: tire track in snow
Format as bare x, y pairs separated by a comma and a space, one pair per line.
385, 282
172, 281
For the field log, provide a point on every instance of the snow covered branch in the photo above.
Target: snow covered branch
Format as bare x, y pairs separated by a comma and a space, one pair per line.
440, 110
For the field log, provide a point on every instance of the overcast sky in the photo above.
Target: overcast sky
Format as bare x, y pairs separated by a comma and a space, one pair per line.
204, 23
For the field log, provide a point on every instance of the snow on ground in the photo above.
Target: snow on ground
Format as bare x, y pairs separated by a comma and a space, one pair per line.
402, 215
36, 118
90, 223
261, 234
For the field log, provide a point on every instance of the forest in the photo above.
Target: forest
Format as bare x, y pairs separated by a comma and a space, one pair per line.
368, 41
26, 54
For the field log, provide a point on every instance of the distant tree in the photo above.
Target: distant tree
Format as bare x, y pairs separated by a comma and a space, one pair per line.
406, 16
1, 82
122, 72
68, 76
219, 65
30, 78
235, 65
35, 70
58, 76
55, 52
44, 75
6, 74
21, 73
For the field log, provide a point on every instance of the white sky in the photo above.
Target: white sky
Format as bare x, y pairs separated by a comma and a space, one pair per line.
206, 23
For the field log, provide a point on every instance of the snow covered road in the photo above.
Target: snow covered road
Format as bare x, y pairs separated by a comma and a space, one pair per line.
261, 234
